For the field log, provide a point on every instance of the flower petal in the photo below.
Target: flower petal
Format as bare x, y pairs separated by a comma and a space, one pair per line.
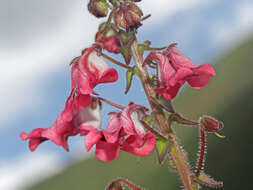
112, 131
110, 75
146, 148
107, 151
34, 137
177, 58
166, 70
92, 138
180, 76
130, 120
169, 92
205, 69
201, 76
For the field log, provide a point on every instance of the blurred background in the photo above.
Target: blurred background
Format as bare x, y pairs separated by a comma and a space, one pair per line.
39, 38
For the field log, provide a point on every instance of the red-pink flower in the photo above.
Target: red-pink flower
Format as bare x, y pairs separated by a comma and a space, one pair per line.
85, 75
92, 70
62, 129
175, 69
124, 132
79, 109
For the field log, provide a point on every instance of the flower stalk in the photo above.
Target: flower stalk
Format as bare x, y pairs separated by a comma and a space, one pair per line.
178, 155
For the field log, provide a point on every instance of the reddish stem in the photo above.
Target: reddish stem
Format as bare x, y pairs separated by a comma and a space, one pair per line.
129, 184
115, 61
202, 152
111, 103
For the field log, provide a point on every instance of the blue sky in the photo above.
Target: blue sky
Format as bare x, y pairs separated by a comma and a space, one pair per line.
39, 38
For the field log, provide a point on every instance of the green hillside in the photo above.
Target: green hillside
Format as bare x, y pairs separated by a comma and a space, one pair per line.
228, 97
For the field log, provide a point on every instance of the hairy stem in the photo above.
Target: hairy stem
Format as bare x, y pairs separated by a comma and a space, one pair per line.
178, 155
201, 153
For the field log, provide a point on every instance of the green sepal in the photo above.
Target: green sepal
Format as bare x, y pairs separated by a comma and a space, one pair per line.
136, 70
126, 54
148, 119
129, 79
206, 180
179, 119
162, 148
125, 36
142, 47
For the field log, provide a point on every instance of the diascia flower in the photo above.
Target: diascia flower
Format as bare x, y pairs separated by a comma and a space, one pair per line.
124, 132
61, 129
89, 71
175, 69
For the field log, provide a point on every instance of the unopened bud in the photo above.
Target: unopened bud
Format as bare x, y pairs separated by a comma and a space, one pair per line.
99, 8
115, 185
210, 124
107, 36
127, 15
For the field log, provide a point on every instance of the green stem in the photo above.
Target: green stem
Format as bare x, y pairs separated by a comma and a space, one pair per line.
178, 155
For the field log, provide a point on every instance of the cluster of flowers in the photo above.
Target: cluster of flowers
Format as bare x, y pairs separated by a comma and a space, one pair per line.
125, 130
81, 115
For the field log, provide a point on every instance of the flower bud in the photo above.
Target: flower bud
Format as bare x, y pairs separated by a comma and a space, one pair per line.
127, 15
99, 8
115, 185
107, 36
210, 124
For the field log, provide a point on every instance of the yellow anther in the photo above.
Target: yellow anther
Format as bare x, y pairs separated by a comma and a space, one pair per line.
220, 136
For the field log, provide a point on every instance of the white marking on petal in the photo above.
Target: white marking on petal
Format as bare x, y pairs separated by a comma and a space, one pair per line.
94, 61
137, 124
89, 116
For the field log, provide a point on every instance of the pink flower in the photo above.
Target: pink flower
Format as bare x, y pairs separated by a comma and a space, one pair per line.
90, 71
124, 132
62, 129
85, 75
79, 108
175, 69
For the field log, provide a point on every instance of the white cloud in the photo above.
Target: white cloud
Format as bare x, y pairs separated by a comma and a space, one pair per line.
237, 29
28, 169
161, 9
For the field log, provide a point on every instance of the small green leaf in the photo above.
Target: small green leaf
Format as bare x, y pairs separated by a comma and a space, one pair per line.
129, 79
162, 147
205, 179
